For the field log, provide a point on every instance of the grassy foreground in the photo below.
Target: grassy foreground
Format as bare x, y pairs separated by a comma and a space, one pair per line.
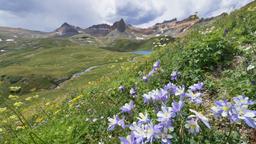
220, 53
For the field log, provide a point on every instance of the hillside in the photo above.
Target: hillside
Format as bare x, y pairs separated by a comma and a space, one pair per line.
197, 88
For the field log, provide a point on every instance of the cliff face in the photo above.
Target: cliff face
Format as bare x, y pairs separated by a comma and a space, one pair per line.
67, 30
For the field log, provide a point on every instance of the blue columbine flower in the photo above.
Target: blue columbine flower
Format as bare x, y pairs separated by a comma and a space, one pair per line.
222, 108
170, 87
165, 115
177, 106
195, 97
165, 135
201, 117
175, 75
130, 139
192, 126
121, 88
127, 107
113, 122
144, 133
143, 118
180, 91
197, 87
156, 65
133, 92
243, 101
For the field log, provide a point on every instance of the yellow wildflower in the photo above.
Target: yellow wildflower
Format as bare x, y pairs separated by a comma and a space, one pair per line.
2, 110
39, 119
13, 97
47, 104
18, 104
36, 96
28, 98
15, 88
13, 117
20, 127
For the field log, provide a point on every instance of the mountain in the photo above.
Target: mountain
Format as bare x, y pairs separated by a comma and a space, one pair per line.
67, 30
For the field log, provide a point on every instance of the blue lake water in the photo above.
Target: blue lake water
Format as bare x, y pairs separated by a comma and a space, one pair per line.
142, 52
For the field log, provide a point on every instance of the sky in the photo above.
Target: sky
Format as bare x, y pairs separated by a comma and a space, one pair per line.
47, 15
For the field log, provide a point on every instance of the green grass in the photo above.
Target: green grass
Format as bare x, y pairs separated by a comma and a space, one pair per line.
211, 58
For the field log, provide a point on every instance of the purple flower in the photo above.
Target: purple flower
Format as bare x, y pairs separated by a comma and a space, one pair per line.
127, 107
165, 135
197, 87
170, 87
221, 108
195, 97
180, 91
175, 75
243, 101
143, 118
177, 106
133, 92
130, 139
201, 117
144, 133
113, 122
192, 126
156, 65
121, 88
165, 115
145, 78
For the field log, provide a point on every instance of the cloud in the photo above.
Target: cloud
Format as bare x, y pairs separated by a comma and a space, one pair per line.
47, 15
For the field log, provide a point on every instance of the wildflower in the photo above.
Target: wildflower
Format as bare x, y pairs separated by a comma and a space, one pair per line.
243, 101
130, 139
179, 91
175, 75
165, 115
36, 96
163, 95
13, 97
113, 122
48, 103
2, 110
197, 87
166, 136
28, 98
195, 97
192, 125
240, 111
15, 88
144, 132
143, 118
250, 67
152, 95
222, 108
201, 117
18, 104
145, 78
121, 88
127, 107
94, 119
177, 106
156, 65
13, 117
170, 87
133, 92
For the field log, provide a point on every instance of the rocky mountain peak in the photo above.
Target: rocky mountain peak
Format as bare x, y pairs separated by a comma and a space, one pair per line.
120, 25
67, 30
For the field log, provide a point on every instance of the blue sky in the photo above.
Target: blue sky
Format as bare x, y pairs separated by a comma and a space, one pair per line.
47, 15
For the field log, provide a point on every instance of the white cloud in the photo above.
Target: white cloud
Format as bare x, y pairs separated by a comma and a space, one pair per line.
47, 15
